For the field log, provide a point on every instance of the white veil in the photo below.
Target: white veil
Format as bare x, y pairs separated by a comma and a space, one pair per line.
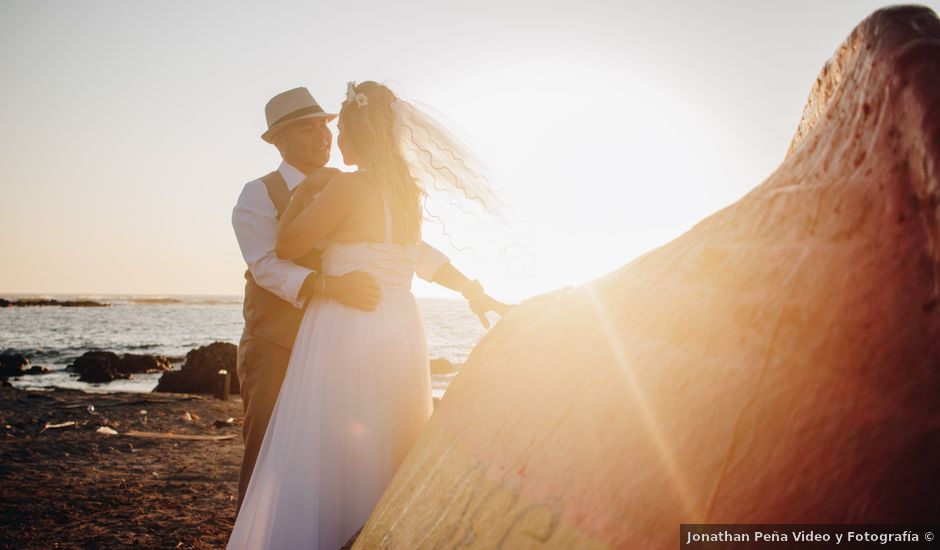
440, 161
461, 199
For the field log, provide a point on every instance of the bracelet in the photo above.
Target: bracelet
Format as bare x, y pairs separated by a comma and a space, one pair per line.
472, 289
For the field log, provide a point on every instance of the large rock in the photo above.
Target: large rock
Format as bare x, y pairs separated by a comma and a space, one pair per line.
133, 363
105, 366
780, 362
200, 372
98, 367
13, 364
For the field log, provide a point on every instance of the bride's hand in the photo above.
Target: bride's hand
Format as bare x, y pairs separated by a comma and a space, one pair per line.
314, 183
482, 303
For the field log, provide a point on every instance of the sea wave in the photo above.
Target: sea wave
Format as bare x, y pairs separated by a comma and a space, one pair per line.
53, 337
185, 300
121, 299
155, 301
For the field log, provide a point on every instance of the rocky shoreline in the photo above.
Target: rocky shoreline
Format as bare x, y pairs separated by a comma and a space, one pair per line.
113, 470
144, 470
32, 302
204, 370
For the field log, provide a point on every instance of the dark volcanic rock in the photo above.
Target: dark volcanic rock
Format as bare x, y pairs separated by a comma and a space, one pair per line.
200, 372
13, 364
36, 369
98, 367
132, 363
30, 302
778, 363
105, 366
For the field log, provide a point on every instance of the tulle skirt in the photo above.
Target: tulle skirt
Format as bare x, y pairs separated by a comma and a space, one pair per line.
356, 394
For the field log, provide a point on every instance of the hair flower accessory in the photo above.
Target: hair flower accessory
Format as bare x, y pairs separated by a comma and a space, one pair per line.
360, 98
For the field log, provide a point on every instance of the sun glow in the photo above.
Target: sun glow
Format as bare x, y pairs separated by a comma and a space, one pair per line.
599, 164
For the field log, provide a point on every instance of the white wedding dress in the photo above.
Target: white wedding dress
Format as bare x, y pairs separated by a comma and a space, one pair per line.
356, 394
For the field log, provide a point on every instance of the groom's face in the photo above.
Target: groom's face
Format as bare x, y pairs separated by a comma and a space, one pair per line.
306, 143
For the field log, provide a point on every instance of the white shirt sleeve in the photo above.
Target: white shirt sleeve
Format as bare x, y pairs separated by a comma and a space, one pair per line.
255, 222
430, 260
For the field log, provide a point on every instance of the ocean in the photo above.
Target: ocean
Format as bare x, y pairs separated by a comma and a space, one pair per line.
53, 336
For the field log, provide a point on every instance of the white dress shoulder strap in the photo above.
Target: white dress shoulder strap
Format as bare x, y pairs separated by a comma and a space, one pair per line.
388, 219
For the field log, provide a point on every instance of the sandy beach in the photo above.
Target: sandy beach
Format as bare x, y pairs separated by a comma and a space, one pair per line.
161, 482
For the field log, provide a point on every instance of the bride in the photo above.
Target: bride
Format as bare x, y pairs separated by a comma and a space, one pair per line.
358, 388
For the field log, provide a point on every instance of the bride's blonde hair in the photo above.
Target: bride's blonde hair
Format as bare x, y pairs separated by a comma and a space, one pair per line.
370, 126
410, 153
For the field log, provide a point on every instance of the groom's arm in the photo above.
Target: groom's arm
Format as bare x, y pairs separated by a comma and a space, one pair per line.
254, 219
255, 222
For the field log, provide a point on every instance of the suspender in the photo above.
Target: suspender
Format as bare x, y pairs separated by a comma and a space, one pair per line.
277, 190
280, 195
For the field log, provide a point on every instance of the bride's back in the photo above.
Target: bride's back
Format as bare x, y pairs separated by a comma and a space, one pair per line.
366, 221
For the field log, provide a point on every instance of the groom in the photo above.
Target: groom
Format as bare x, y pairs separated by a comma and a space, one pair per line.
277, 290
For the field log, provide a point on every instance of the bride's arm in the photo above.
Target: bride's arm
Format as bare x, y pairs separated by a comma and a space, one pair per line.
479, 301
314, 183
303, 226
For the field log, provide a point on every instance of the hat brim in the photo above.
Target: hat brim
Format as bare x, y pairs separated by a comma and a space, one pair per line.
281, 125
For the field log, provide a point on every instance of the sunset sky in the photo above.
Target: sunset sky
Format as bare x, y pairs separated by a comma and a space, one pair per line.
129, 128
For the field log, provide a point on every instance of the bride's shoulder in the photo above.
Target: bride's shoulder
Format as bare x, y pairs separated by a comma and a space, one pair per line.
348, 186
349, 179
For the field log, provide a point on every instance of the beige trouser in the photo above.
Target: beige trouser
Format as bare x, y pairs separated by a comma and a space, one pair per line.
261, 368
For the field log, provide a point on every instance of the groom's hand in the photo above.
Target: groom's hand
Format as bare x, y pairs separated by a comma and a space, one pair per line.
356, 289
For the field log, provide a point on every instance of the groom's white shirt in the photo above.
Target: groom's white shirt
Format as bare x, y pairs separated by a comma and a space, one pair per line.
255, 221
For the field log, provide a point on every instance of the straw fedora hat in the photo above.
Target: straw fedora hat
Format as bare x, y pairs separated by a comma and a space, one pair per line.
291, 106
